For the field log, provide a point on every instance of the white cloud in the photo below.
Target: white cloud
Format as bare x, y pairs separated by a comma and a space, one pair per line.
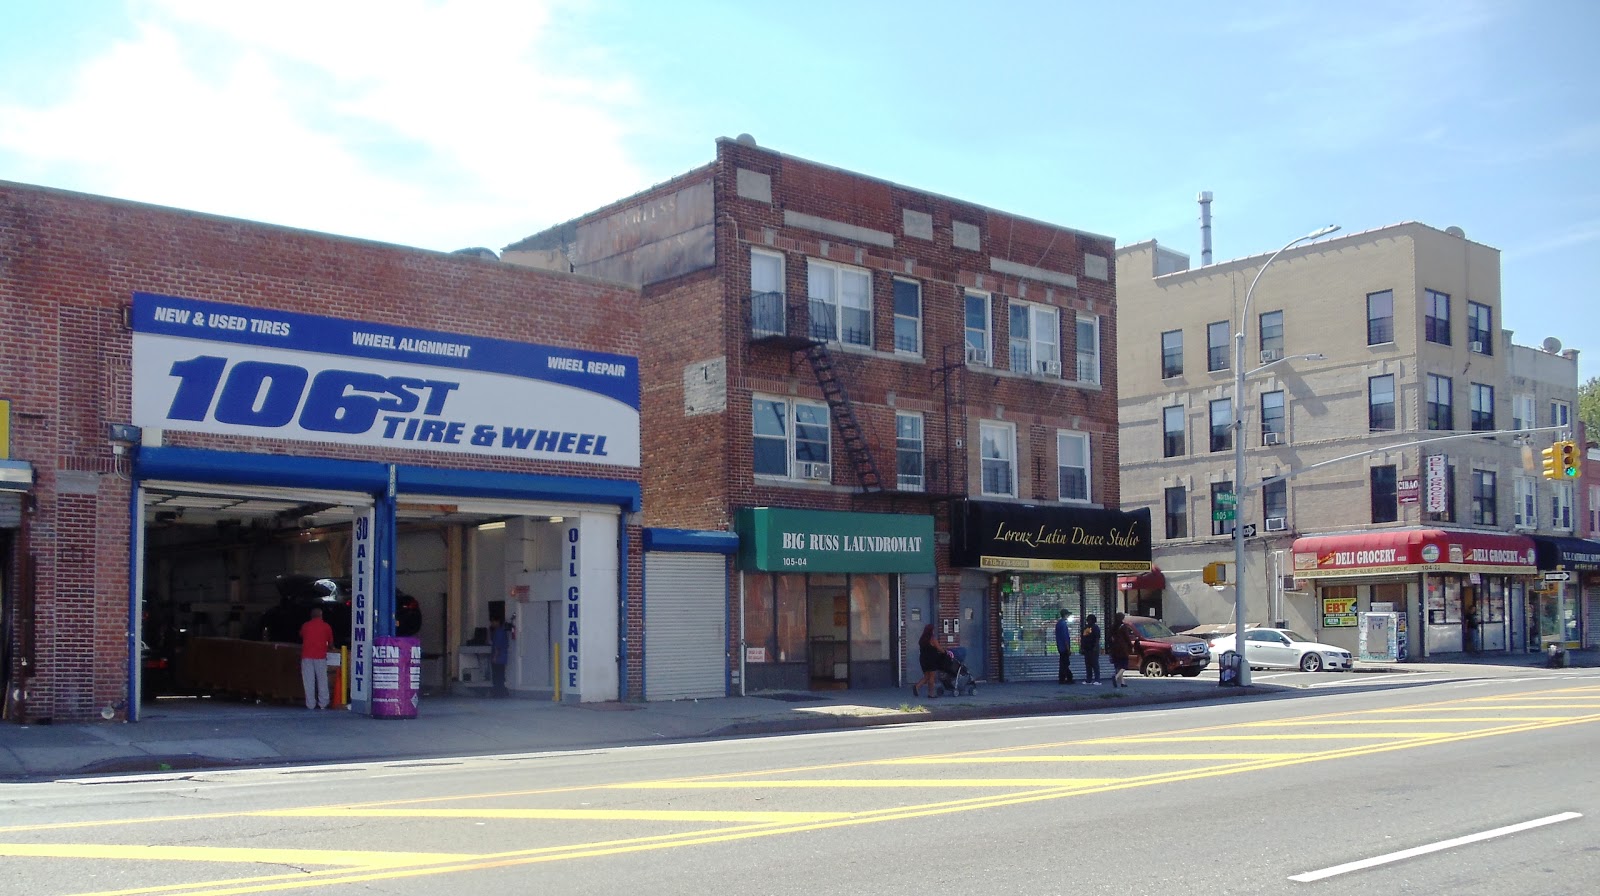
440, 124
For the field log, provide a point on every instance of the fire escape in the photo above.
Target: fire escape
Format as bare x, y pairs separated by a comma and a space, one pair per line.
776, 323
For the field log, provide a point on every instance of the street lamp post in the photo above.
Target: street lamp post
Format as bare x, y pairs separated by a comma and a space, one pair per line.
1238, 450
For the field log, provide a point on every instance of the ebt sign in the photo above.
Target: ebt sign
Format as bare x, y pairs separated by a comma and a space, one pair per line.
210, 367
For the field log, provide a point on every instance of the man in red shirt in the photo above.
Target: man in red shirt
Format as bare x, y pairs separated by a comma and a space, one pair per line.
316, 637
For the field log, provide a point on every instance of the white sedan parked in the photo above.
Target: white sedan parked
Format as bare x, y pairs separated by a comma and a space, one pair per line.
1280, 648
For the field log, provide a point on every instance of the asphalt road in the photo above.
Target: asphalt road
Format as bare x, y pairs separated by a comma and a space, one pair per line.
1459, 787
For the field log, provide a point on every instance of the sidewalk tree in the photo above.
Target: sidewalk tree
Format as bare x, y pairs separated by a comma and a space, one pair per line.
1589, 406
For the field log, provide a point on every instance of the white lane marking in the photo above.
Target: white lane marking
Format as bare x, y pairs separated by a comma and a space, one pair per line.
1347, 867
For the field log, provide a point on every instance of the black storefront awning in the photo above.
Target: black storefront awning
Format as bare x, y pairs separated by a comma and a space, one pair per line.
1567, 553
1005, 537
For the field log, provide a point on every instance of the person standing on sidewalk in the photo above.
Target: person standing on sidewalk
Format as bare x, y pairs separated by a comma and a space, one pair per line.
1089, 646
499, 656
1064, 649
1122, 638
316, 637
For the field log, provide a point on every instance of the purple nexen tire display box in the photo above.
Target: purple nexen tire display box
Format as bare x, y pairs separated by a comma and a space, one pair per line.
396, 677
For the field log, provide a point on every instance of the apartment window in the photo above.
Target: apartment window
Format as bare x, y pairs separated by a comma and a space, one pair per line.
908, 452
1222, 424
1172, 430
1483, 498
1035, 339
1274, 426
766, 293
1275, 502
1217, 345
1525, 513
977, 322
1385, 496
1441, 414
907, 316
1482, 408
1560, 505
787, 434
999, 459
1088, 349
1522, 415
1480, 329
1380, 403
1436, 317
1176, 505
841, 303
1271, 336
1594, 509
1072, 465
1560, 413
1171, 354
1380, 317
1221, 505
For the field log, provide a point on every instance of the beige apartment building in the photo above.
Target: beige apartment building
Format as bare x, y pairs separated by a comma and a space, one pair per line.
1354, 346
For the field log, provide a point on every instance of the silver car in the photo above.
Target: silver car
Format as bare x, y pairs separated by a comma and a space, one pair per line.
1281, 648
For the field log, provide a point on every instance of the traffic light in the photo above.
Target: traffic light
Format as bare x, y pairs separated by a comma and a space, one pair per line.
1552, 461
1568, 457
1215, 573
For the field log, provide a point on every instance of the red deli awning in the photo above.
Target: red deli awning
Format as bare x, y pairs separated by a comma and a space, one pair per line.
1409, 551
1149, 581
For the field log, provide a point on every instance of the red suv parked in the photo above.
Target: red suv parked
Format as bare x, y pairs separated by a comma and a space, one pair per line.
1164, 652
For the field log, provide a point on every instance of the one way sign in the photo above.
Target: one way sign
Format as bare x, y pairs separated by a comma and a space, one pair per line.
1249, 530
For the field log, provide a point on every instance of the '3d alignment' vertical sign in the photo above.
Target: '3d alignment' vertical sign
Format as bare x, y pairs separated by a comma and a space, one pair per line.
570, 575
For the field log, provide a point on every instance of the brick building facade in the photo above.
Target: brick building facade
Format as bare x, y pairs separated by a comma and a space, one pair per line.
829, 356
285, 401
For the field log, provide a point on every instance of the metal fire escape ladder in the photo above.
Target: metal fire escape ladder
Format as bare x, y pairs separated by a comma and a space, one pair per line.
844, 417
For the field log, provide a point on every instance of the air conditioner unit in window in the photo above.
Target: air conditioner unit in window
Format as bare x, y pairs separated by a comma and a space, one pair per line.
1290, 583
1477, 347
1271, 438
1268, 355
1277, 524
816, 471
1050, 368
977, 355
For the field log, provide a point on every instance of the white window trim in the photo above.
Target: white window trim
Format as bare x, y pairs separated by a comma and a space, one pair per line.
1561, 506
775, 256
1038, 351
1008, 432
1526, 490
899, 317
791, 408
1063, 436
987, 333
1088, 366
837, 273
922, 450
1523, 411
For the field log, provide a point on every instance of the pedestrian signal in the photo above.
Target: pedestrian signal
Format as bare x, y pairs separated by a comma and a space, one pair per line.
1215, 574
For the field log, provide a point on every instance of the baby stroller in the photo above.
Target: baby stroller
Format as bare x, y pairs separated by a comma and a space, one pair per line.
955, 678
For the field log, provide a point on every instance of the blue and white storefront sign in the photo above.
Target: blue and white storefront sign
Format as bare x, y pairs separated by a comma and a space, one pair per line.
235, 370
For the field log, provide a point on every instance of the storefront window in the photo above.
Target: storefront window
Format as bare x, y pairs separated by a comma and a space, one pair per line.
869, 617
758, 627
791, 617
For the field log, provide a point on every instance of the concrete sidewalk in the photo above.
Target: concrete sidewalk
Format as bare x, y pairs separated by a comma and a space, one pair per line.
176, 734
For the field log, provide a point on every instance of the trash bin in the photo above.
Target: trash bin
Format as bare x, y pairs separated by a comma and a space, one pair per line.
396, 677
1228, 669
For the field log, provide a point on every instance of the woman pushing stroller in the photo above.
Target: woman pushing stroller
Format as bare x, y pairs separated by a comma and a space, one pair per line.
933, 659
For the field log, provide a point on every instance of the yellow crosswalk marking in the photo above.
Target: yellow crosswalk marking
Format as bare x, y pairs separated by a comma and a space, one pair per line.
250, 855
1089, 757
832, 783
723, 816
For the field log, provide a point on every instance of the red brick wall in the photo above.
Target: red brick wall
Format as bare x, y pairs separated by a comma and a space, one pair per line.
68, 266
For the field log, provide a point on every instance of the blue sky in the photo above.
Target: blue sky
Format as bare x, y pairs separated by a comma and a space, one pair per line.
454, 124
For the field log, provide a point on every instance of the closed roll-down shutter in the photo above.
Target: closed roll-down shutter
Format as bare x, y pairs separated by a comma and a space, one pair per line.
1591, 595
685, 625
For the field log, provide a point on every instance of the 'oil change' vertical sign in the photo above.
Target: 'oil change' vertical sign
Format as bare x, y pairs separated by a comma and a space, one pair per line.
570, 679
